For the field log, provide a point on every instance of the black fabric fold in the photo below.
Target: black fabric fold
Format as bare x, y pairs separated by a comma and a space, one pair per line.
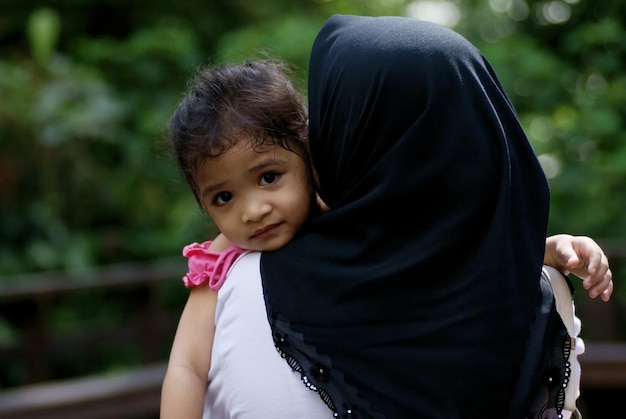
415, 293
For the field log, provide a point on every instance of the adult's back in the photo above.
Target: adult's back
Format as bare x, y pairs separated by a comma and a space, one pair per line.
413, 296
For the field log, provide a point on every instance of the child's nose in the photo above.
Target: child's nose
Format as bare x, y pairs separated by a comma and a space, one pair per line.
255, 211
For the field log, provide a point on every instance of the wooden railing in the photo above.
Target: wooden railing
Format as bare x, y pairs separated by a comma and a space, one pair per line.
134, 393
40, 356
148, 323
604, 366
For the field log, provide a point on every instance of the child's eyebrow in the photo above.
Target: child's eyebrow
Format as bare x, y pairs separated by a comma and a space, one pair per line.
270, 161
211, 188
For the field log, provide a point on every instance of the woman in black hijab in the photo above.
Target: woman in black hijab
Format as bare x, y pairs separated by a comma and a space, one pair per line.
413, 296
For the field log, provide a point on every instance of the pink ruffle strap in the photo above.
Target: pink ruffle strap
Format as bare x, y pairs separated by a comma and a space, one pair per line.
208, 266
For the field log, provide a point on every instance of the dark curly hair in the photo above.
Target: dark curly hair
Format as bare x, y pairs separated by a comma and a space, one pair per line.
255, 101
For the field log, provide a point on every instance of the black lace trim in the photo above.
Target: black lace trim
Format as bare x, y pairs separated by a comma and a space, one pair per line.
566, 345
556, 380
557, 373
318, 377
547, 351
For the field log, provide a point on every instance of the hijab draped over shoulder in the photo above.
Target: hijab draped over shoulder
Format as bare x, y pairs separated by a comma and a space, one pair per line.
412, 296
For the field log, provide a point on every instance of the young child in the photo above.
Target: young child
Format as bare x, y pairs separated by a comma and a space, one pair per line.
239, 136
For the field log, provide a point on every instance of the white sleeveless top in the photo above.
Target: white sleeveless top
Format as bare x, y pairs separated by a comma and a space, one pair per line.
248, 379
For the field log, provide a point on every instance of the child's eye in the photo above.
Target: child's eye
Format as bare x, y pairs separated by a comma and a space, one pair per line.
269, 178
222, 198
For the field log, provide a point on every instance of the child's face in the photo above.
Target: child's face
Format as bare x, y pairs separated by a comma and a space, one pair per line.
258, 197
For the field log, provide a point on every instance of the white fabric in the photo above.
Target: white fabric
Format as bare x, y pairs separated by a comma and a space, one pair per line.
566, 308
248, 379
576, 370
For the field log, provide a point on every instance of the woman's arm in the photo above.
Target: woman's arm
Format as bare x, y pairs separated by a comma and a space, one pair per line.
583, 257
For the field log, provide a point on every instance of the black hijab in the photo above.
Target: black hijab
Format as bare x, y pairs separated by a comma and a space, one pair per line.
412, 297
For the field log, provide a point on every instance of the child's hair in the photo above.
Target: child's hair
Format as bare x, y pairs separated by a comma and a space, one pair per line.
254, 101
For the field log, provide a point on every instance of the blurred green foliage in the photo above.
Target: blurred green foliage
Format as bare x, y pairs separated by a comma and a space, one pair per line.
85, 91
87, 86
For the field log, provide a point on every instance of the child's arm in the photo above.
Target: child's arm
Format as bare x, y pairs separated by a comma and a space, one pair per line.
583, 257
185, 382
